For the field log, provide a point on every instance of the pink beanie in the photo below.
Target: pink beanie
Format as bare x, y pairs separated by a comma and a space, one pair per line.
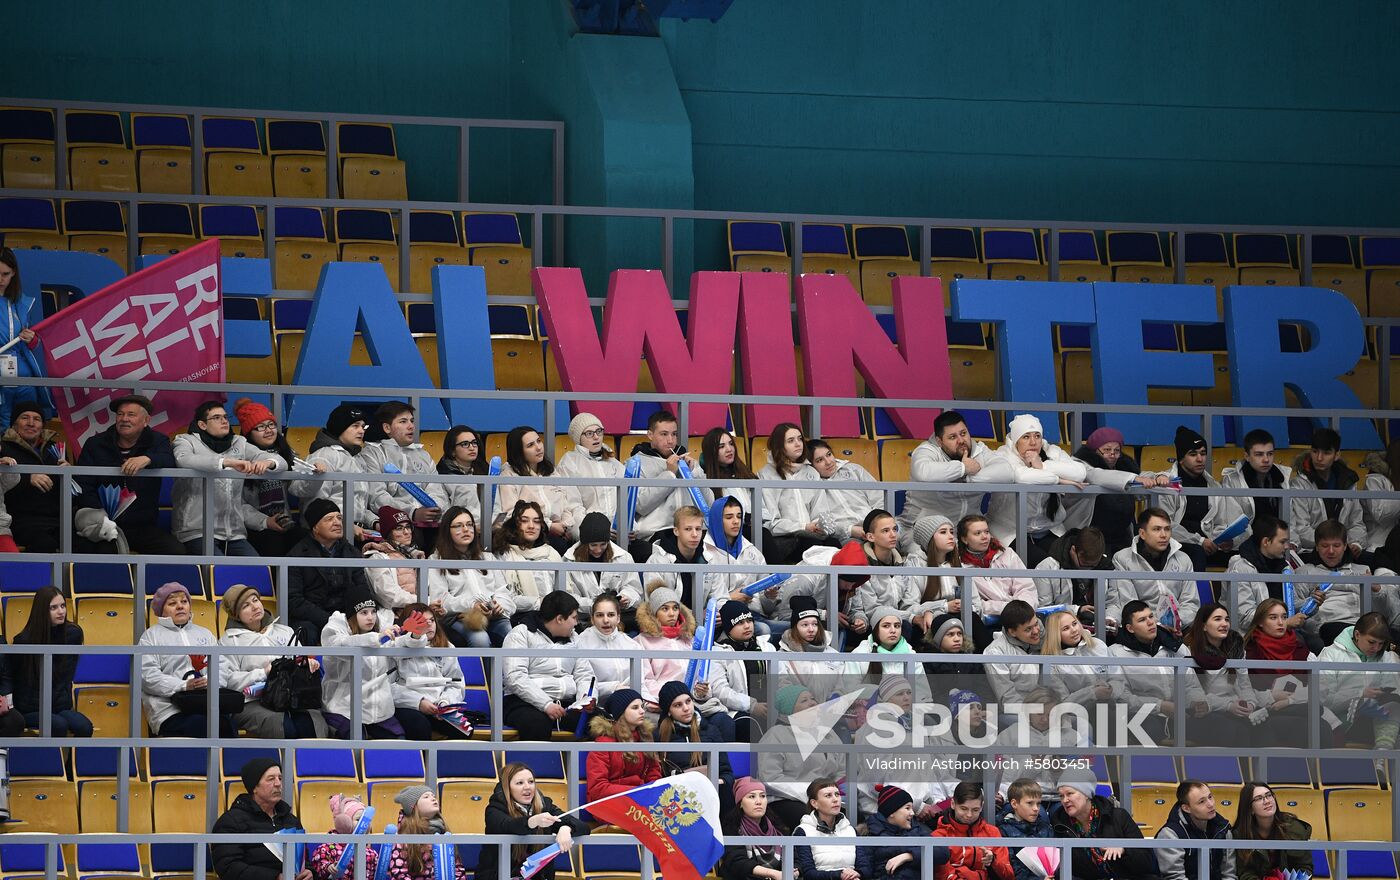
1102, 436
345, 812
745, 784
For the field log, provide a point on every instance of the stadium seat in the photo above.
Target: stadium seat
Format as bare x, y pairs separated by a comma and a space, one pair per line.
1213, 770
974, 373
1078, 378
26, 147
31, 224
26, 860
894, 459
1151, 804
1306, 803
428, 350
44, 805
392, 764
883, 254
860, 450
98, 157
97, 807
825, 250
298, 151
300, 247
369, 163
1011, 255
234, 164
1359, 814
108, 707
1157, 459
257, 576
164, 228
610, 862
1137, 256
16, 613
756, 238
1264, 260
96, 228
1219, 394
1347, 773
433, 241
313, 801
327, 764
163, 148
494, 243
367, 236
1364, 380
1380, 258
519, 364
463, 804
1334, 267
236, 227
1079, 255
458, 764
1370, 865
24, 577
190, 576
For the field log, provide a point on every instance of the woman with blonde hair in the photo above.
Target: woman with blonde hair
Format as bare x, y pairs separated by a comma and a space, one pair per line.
1085, 685
517, 807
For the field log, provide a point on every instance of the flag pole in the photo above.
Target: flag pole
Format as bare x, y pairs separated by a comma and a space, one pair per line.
7, 346
598, 801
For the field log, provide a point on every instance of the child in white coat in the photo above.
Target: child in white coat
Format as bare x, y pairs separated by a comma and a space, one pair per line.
362, 622
422, 684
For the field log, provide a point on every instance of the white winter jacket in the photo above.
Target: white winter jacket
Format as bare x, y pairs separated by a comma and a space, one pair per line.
902, 592
376, 671
1233, 478
163, 676
1076, 684
1011, 681
233, 517
544, 677
729, 678
438, 680
559, 503
1308, 513
1379, 515
460, 589
656, 507
996, 591
411, 459
1339, 688
1221, 511
830, 856
838, 510
530, 585
337, 460
1001, 511
930, 464
609, 673
1141, 584
590, 499
588, 585
247, 670
787, 511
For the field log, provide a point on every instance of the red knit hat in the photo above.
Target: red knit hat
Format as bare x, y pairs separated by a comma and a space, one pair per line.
852, 554
390, 518
250, 414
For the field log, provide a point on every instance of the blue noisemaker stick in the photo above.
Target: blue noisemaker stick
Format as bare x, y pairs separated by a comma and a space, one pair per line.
383, 852
422, 497
1233, 530
535, 861
348, 854
695, 494
444, 863
299, 850
764, 583
631, 472
704, 640
494, 470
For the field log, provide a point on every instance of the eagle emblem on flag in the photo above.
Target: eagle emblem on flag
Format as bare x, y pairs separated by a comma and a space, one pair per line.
676, 809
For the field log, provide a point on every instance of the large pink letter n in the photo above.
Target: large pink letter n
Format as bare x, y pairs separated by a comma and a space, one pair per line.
639, 318
840, 336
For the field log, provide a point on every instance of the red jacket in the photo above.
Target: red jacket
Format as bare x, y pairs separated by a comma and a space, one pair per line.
611, 772
965, 862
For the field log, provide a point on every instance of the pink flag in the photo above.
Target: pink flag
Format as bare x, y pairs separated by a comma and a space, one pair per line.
165, 323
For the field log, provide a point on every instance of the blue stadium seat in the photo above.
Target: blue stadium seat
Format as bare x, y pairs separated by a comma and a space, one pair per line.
365, 139
231, 133
298, 149
1135, 247
159, 573
1262, 249
473, 671
93, 127
491, 229
233, 158
108, 578
1332, 250
825, 238
236, 227
881, 242
91, 763
367, 235
27, 136
106, 859
24, 577
27, 858
512, 321
37, 761
1012, 254
97, 228
233, 759
545, 765
457, 764
102, 669
290, 314
394, 764
756, 237
953, 243
1363, 865
433, 227
326, 763
98, 158
177, 761
164, 228
31, 224
163, 147
1214, 770
242, 308
1342, 772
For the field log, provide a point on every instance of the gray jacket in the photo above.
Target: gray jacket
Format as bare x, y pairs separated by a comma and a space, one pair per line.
233, 516
1141, 584
930, 464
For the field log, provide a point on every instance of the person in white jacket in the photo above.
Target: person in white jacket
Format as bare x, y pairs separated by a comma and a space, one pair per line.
164, 676
422, 685
1196, 519
525, 457
250, 626
1321, 467
339, 448
815, 664
393, 587
719, 456
463, 455
1380, 515
590, 457
1084, 685
786, 771
1362, 696
1340, 605
522, 539
1174, 602
787, 513
212, 446
949, 456
1033, 461
903, 592
724, 545
606, 634
595, 545
362, 623
475, 602
1258, 471
543, 688
1022, 635
661, 456
738, 664
400, 448
979, 549
1153, 686
839, 511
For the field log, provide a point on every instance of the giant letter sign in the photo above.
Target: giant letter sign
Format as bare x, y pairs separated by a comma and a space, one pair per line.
840, 336
1123, 371
639, 316
1259, 370
1026, 312
765, 349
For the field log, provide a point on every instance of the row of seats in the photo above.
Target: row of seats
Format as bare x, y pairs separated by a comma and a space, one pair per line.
242, 156
303, 241
872, 256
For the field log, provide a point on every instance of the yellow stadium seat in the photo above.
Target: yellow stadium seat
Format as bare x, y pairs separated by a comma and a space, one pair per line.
974, 373
113, 247
385, 254
951, 270
1219, 394
164, 171
1383, 293
16, 614
1157, 459
106, 620
251, 370
894, 459
1359, 814
1345, 280
33, 239
507, 269
27, 166
877, 279
1078, 378
428, 350
299, 176
1216, 276
1151, 804
299, 262
1308, 804
107, 705
44, 805
628, 443
373, 177
423, 257
496, 445
1169, 396
1140, 274
519, 364
829, 265
300, 439
763, 263
178, 805
238, 174
464, 804
1006, 271
202, 611
1268, 276
758, 451
1364, 380
97, 807
1222, 457
861, 450
101, 169
313, 801
1085, 272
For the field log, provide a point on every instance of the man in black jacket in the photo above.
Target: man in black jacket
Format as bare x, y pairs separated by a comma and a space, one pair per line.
260, 811
1195, 818
131, 445
34, 500
315, 592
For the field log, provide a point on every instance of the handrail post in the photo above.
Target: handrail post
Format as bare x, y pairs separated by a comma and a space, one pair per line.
464, 152
197, 154
1052, 238
405, 237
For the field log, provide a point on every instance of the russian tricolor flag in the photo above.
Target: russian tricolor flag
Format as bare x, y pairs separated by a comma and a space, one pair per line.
676, 818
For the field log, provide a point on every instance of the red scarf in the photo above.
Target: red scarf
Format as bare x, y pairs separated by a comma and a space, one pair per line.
1286, 647
983, 560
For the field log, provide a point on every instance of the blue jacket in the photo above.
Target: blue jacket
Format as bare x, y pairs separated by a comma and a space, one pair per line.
870, 860
1012, 825
32, 365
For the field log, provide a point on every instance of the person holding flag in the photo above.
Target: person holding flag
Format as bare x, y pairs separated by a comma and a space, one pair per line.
517, 807
421, 814
676, 819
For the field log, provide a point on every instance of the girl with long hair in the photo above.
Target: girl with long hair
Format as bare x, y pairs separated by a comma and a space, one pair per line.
1222, 699
590, 457
15, 325
517, 807
463, 455
523, 538
979, 548
623, 719
720, 460
474, 603
943, 593
751, 818
419, 813
361, 622
681, 722
787, 512
423, 684
48, 624
815, 663
1269, 638
595, 545
1259, 818
393, 587
526, 457
1366, 643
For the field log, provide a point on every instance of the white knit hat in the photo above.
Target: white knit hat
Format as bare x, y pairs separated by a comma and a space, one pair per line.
1020, 426
580, 423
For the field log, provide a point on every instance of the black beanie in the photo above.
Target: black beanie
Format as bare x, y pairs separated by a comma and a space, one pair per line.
358, 595
889, 798
1187, 440
730, 613
343, 417
318, 509
254, 770
595, 529
670, 692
